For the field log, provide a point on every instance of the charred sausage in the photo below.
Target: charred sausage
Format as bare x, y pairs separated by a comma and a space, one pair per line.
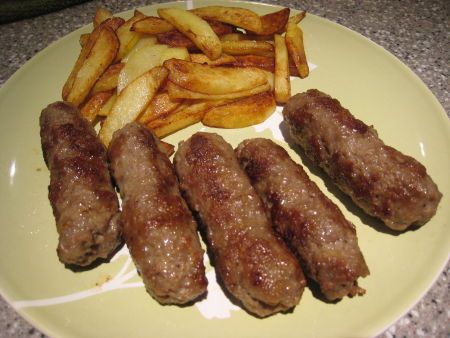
158, 227
309, 222
254, 265
82, 196
381, 180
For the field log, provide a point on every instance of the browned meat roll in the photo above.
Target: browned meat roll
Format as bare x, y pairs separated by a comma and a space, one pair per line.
158, 227
254, 265
309, 222
381, 180
84, 202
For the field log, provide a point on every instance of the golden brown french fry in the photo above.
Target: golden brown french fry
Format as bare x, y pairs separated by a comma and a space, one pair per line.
127, 37
108, 80
296, 49
152, 25
296, 18
242, 112
169, 149
100, 57
207, 79
244, 47
178, 119
107, 106
282, 83
91, 108
132, 101
239, 17
180, 53
112, 23
101, 15
274, 22
195, 28
83, 39
224, 59
177, 92
160, 105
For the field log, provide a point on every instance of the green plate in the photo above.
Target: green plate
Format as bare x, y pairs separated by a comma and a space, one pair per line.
109, 301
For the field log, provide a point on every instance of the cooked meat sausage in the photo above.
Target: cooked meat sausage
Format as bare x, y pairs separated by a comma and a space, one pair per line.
158, 227
311, 223
381, 180
84, 202
254, 265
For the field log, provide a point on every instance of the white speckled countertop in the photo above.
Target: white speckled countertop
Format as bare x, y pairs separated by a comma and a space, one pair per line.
417, 32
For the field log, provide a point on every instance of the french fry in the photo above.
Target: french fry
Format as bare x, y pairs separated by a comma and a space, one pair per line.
274, 22
160, 105
239, 17
108, 80
142, 42
100, 57
138, 62
296, 49
195, 28
127, 37
101, 14
107, 106
242, 112
152, 25
223, 60
262, 62
132, 101
177, 92
83, 39
296, 18
179, 119
168, 148
207, 79
282, 84
244, 47
112, 23
91, 108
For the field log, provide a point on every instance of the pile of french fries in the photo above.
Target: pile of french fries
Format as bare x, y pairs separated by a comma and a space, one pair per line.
226, 67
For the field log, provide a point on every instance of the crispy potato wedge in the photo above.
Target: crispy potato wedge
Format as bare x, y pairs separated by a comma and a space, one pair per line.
239, 17
108, 80
160, 105
263, 62
132, 101
101, 14
213, 80
195, 28
244, 47
296, 18
142, 42
127, 37
242, 112
107, 106
274, 22
296, 49
282, 83
113, 24
223, 60
179, 119
177, 92
169, 149
91, 108
100, 57
138, 62
152, 25
83, 39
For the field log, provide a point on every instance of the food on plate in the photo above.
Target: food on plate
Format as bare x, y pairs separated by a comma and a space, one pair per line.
254, 264
274, 22
239, 17
308, 221
152, 25
82, 196
92, 107
195, 28
160, 105
108, 80
282, 77
158, 227
132, 101
128, 38
202, 58
380, 179
213, 80
247, 47
296, 49
241, 112
106, 107
101, 14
